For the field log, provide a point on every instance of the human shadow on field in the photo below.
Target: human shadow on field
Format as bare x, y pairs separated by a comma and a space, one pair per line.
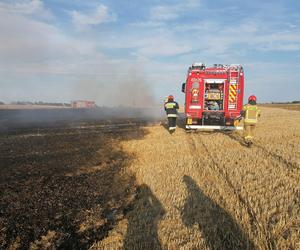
143, 220
218, 228
165, 124
181, 120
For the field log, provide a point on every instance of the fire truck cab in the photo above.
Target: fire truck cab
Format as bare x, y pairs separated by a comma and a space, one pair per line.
213, 96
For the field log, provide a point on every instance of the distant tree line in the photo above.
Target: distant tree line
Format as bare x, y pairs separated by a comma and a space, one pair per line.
58, 104
293, 102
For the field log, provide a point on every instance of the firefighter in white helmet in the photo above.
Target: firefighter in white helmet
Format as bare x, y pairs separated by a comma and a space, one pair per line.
250, 112
171, 108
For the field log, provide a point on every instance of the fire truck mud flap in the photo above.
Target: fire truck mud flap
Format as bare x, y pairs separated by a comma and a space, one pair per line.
213, 127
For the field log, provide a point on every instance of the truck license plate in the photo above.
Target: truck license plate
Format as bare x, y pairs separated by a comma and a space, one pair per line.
189, 121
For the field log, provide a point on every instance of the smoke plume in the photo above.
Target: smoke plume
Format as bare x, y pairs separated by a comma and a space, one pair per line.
130, 88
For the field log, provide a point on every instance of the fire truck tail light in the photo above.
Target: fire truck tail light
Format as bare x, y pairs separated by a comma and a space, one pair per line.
195, 95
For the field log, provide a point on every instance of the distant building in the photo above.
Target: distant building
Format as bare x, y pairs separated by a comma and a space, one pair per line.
83, 104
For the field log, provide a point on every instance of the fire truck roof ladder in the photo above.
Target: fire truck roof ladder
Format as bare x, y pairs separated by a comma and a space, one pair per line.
234, 79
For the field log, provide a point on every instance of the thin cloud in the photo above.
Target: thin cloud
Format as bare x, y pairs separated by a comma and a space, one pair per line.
163, 47
26, 7
164, 12
100, 15
172, 11
33, 40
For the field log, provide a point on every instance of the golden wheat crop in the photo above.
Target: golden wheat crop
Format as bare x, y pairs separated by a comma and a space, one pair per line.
209, 191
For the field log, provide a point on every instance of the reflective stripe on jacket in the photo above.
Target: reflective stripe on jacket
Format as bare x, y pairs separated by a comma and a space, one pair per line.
251, 113
171, 108
171, 115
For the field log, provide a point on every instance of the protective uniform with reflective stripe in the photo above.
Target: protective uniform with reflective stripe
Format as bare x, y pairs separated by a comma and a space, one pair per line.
171, 108
251, 113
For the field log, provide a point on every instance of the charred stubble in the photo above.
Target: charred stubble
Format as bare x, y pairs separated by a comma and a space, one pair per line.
64, 189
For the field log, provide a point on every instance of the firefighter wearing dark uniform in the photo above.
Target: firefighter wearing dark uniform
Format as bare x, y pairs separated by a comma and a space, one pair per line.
250, 112
171, 109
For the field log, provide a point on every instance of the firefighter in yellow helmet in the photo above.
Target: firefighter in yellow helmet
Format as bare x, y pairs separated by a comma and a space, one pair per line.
250, 112
171, 108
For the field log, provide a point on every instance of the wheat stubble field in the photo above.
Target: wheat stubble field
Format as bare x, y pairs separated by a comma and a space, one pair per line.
209, 191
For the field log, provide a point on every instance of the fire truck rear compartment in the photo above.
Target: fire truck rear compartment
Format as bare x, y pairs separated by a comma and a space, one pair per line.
213, 103
214, 96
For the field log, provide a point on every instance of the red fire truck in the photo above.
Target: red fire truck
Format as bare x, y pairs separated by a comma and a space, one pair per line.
83, 104
213, 96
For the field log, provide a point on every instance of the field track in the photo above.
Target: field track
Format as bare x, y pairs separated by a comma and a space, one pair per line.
212, 192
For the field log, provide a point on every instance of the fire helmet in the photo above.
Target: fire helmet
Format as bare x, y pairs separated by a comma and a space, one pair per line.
170, 98
252, 98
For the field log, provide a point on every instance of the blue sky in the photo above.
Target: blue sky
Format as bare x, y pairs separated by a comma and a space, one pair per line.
59, 50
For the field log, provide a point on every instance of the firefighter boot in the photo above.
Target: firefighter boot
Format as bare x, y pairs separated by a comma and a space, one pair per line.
172, 130
249, 141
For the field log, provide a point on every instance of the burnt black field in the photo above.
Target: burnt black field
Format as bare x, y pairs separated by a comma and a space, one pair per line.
62, 178
33, 118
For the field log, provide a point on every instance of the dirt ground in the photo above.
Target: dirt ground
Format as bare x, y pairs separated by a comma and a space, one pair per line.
209, 191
